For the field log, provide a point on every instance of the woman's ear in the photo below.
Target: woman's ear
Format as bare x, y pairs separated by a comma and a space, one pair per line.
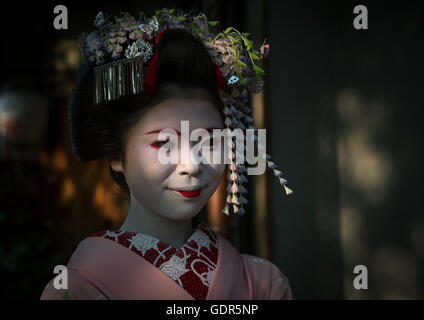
116, 165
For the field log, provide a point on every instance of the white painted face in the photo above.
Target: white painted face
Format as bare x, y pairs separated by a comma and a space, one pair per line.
174, 191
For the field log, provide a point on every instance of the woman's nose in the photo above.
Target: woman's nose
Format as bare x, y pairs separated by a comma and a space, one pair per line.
190, 169
190, 162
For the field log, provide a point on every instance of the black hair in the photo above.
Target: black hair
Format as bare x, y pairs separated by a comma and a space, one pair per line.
98, 131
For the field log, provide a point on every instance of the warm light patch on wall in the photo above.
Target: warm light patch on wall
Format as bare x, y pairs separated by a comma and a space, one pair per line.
59, 161
68, 191
366, 174
105, 201
258, 105
363, 165
216, 219
262, 241
66, 55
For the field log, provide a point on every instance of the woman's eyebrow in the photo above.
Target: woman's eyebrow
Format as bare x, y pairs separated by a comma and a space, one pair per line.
159, 130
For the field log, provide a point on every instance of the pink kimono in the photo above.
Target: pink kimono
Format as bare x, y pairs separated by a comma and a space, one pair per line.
128, 265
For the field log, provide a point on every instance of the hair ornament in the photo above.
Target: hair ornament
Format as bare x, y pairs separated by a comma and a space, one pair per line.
123, 50
151, 28
139, 48
233, 80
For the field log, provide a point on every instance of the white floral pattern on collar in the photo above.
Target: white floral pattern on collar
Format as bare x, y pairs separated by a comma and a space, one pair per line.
191, 266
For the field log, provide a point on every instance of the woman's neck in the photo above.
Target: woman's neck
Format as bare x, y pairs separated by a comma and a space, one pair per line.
141, 220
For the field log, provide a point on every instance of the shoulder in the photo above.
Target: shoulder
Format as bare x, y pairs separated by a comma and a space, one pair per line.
73, 284
77, 287
267, 280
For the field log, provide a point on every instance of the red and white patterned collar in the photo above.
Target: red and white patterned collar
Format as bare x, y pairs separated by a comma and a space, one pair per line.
191, 266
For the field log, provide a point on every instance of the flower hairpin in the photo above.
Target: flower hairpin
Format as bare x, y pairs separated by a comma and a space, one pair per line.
151, 28
139, 48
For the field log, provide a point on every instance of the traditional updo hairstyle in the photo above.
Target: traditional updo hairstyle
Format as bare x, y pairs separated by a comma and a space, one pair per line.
98, 131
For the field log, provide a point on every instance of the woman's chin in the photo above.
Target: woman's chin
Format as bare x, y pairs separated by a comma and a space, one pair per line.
181, 214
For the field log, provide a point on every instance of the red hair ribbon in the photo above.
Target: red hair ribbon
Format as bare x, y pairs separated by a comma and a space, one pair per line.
150, 78
222, 83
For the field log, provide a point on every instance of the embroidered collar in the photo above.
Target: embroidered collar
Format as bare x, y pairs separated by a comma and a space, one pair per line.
191, 266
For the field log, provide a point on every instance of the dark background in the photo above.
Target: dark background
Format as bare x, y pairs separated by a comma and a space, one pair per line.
343, 115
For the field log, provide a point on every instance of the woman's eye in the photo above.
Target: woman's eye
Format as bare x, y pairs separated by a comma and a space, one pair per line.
158, 144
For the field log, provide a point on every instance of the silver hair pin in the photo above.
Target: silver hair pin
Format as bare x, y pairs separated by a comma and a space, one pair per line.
119, 78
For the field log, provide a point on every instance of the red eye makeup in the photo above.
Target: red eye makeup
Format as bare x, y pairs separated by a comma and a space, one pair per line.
157, 144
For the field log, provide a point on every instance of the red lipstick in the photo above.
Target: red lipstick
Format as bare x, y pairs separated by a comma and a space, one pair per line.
190, 194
